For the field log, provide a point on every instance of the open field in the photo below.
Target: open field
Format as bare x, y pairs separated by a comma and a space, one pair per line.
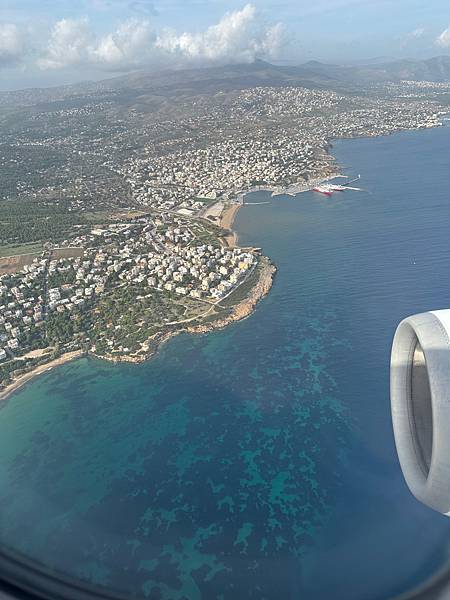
75, 252
13, 264
22, 249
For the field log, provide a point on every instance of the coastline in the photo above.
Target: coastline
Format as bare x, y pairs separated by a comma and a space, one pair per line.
204, 392
226, 222
246, 307
241, 311
20, 381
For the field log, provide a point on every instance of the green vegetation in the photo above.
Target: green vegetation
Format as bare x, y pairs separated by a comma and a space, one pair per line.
208, 233
14, 250
130, 315
27, 167
34, 338
7, 369
59, 328
22, 222
56, 280
244, 289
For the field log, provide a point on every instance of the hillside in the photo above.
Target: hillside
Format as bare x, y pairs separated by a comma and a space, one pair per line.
205, 81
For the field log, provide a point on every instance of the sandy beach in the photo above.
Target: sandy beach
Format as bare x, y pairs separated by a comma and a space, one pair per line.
23, 379
228, 216
226, 222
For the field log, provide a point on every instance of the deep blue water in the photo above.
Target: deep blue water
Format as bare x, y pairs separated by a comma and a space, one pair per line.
255, 462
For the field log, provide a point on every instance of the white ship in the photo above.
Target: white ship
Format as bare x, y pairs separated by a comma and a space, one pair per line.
328, 189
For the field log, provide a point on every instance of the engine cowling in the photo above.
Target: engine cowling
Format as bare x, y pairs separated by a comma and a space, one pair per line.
420, 402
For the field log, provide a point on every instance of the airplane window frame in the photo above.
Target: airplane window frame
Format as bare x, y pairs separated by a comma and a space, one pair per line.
24, 579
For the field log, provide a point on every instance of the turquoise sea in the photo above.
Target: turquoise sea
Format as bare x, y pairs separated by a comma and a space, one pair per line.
256, 462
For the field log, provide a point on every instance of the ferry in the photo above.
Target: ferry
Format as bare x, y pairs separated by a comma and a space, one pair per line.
328, 189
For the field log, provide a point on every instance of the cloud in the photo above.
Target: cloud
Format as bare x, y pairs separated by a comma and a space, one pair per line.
237, 37
12, 45
443, 39
130, 46
68, 45
73, 43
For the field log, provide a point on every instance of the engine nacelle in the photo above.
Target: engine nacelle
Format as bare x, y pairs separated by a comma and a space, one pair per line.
420, 399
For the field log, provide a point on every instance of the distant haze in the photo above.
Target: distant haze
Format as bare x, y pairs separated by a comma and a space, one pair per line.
197, 81
55, 42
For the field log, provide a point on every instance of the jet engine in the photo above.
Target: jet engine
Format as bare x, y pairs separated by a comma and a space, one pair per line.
420, 402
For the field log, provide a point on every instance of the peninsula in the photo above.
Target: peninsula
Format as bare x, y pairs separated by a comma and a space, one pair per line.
117, 209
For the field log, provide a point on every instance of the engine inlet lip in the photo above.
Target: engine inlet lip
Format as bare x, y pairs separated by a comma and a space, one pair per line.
429, 483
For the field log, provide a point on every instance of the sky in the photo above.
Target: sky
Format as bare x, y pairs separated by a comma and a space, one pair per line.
52, 42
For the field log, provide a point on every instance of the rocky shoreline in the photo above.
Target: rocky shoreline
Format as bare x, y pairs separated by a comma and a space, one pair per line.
238, 312
246, 307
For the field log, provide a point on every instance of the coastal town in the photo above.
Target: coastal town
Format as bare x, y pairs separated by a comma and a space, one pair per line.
116, 232
275, 158
114, 291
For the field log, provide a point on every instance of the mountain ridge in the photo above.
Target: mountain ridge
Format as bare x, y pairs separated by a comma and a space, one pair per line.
227, 78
